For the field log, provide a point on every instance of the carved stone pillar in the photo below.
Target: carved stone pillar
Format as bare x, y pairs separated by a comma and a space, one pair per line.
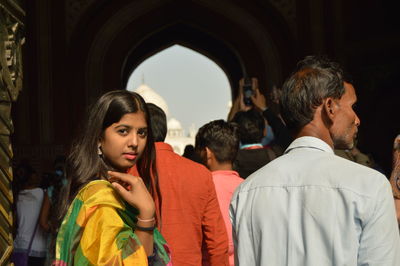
11, 40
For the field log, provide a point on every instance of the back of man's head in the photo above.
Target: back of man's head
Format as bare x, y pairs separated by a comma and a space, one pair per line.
251, 126
158, 121
221, 137
315, 79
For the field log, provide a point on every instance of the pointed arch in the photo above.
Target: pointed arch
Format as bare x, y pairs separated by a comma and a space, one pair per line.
180, 81
115, 36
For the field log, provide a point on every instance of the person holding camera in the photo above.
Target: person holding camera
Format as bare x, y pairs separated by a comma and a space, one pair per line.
277, 135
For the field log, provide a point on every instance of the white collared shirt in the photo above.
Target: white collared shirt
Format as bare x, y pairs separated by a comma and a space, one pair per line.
311, 207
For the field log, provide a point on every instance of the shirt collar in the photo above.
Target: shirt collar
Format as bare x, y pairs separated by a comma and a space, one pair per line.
225, 172
310, 142
253, 145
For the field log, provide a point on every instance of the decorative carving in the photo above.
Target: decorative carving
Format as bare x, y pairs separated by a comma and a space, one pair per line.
11, 40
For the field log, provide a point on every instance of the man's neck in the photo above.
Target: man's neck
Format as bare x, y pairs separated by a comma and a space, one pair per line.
221, 167
313, 129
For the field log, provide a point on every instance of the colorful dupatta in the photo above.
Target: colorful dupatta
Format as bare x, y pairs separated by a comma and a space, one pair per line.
99, 229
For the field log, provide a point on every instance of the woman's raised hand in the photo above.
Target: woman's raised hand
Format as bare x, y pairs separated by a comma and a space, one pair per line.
259, 100
133, 190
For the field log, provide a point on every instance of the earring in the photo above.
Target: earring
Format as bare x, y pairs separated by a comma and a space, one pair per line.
99, 151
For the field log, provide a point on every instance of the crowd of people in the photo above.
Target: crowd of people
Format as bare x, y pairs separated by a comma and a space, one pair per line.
280, 182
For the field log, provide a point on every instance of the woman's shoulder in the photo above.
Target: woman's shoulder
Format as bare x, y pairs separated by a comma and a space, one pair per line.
37, 191
33, 190
96, 185
100, 192
30, 195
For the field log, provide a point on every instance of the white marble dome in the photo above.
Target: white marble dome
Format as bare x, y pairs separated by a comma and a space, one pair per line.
174, 124
176, 134
150, 96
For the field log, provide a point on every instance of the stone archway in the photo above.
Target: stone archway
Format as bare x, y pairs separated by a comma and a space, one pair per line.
192, 38
119, 36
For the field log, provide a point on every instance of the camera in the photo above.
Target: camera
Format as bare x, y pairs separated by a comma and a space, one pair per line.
247, 91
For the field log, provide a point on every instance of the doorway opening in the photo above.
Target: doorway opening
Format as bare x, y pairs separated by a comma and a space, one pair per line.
191, 89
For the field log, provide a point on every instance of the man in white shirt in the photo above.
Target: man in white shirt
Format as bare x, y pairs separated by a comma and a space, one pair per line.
309, 206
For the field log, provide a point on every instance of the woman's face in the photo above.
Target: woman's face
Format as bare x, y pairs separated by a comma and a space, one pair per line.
123, 142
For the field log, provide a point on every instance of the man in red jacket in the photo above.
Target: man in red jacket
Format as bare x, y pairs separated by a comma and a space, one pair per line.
191, 219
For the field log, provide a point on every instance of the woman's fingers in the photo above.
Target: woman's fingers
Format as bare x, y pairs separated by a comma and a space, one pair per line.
134, 191
125, 178
121, 190
121, 176
139, 198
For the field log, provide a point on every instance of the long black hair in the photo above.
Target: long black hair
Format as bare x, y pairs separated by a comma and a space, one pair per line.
85, 165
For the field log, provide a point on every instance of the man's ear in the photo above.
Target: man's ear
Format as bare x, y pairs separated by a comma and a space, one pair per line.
330, 106
210, 158
209, 153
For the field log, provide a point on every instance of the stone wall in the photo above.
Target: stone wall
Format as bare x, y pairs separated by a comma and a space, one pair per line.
11, 41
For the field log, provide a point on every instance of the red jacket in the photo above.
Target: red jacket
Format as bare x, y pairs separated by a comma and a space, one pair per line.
190, 211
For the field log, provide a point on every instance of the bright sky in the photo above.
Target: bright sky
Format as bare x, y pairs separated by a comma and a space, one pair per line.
196, 89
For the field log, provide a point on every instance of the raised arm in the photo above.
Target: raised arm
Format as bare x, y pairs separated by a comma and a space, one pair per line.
134, 191
281, 132
44, 213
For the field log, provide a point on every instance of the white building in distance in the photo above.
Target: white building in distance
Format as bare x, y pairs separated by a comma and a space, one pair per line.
176, 136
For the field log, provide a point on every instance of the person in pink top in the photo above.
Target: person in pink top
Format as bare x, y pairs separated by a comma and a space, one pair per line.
217, 143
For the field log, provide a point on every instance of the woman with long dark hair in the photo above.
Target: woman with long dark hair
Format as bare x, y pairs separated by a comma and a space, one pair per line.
109, 217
